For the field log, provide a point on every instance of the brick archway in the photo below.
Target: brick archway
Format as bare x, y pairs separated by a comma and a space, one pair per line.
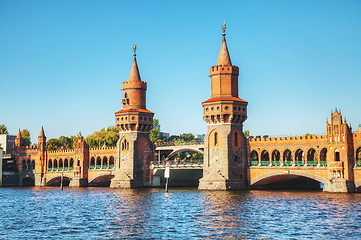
290, 172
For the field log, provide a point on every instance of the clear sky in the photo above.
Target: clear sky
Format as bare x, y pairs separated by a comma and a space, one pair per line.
62, 62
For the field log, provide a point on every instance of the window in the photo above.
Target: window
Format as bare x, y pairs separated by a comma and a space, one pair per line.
215, 139
236, 139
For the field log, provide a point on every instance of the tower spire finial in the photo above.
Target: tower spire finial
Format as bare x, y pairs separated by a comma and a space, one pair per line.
134, 50
224, 28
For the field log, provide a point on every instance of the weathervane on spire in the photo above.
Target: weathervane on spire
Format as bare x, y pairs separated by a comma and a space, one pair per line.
224, 28
134, 49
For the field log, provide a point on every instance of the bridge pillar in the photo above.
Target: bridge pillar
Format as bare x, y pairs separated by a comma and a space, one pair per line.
339, 185
77, 181
39, 179
225, 148
134, 121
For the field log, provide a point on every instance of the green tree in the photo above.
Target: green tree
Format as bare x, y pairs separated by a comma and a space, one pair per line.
26, 137
154, 134
52, 144
3, 129
187, 137
65, 142
108, 136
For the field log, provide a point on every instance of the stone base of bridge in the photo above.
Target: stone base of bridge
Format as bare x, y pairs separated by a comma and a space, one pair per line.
222, 185
78, 182
116, 183
339, 185
39, 180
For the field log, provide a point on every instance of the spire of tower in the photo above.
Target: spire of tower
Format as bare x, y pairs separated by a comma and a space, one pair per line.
224, 58
134, 72
19, 134
42, 134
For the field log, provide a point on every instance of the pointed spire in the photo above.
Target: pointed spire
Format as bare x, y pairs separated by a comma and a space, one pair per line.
224, 58
42, 134
19, 134
134, 72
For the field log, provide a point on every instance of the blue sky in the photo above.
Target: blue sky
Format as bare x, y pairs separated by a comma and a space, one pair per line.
62, 62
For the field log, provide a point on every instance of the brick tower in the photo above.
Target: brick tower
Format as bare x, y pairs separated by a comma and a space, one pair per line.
134, 121
225, 155
41, 163
340, 152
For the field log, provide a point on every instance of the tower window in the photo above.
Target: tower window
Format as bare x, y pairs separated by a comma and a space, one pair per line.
226, 108
126, 95
215, 139
236, 139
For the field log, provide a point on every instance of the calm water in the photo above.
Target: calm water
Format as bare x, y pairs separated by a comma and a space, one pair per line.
102, 213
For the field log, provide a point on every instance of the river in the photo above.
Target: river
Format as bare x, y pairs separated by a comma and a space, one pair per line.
182, 213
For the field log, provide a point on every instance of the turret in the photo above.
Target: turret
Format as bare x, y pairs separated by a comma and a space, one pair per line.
19, 140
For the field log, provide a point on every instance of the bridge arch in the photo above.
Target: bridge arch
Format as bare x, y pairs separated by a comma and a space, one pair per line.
186, 149
53, 180
100, 180
263, 177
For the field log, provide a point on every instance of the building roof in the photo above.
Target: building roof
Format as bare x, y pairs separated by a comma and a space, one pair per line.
134, 110
224, 58
215, 99
134, 72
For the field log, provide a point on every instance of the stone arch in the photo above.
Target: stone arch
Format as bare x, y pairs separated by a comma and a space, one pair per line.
61, 164
101, 179
337, 155
66, 164
71, 163
98, 163
111, 162
299, 157
290, 172
358, 154
105, 162
184, 150
215, 139
311, 157
50, 165
323, 157
124, 144
265, 159
254, 158
92, 163
66, 177
275, 158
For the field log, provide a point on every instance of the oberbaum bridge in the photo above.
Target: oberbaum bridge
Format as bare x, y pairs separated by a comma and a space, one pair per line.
230, 160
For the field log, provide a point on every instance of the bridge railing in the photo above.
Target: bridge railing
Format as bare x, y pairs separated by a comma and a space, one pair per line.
195, 162
172, 143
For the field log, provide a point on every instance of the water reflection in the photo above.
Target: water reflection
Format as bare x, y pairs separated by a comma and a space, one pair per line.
103, 213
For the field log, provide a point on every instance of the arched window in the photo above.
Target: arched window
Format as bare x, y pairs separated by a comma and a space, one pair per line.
105, 162
125, 95
33, 164
71, 164
311, 157
236, 139
66, 164
50, 165
60, 164
215, 139
55, 164
99, 162
337, 155
92, 163
287, 158
264, 158
111, 162
276, 158
28, 164
299, 158
254, 158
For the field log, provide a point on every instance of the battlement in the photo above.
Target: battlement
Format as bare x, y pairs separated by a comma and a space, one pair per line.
134, 84
63, 151
102, 148
224, 69
264, 139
